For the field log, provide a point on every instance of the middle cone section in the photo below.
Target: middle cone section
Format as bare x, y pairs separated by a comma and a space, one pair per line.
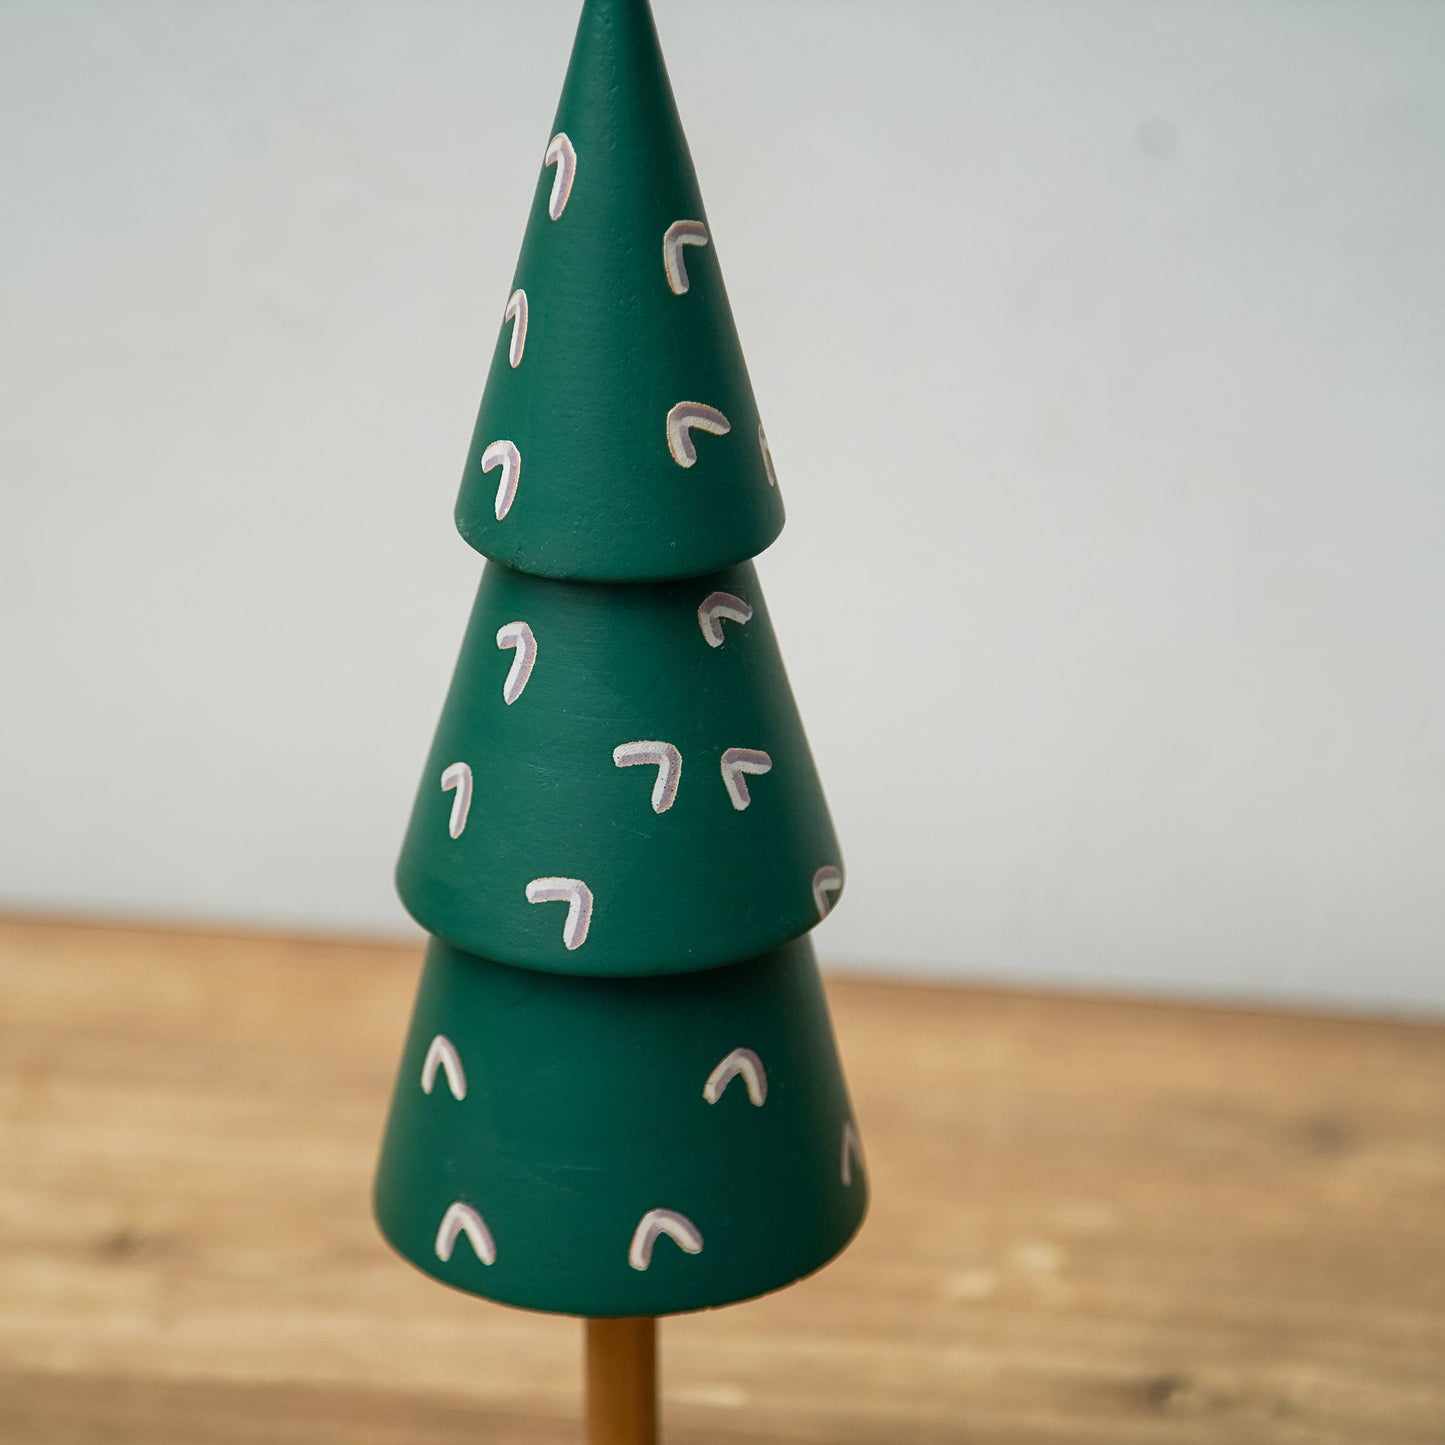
620, 784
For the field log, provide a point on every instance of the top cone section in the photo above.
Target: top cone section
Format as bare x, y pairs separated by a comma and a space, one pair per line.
618, 439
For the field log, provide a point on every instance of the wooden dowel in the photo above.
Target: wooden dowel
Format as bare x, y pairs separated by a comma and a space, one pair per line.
622, 1382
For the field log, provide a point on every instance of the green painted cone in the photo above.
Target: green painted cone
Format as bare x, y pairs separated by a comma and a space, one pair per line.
602, 1111
620, 783
620, 1147
618, 438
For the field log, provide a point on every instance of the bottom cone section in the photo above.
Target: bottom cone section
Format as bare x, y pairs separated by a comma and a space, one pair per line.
620, 1146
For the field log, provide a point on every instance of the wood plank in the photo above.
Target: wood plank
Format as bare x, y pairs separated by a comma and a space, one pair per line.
1094, 1220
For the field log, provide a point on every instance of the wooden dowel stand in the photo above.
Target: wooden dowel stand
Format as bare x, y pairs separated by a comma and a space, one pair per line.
622, 1382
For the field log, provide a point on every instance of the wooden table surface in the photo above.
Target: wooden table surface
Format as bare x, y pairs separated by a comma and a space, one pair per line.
1092, 1221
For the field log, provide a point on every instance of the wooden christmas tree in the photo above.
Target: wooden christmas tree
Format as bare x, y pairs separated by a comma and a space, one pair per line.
619, 1096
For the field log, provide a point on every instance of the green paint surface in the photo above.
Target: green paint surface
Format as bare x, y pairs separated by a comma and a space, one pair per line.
698, 885
610, 349
584, 1110
569, 1066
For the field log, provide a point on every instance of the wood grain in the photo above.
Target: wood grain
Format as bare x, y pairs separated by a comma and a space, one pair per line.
1094, 1221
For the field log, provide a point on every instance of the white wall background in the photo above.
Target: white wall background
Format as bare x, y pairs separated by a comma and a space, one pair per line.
1102, 351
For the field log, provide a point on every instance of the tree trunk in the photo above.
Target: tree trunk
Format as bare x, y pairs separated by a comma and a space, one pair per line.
622, 1381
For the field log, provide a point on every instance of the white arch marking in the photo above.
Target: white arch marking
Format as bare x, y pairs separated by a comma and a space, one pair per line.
714, 607
442, 1054
578, 898
686, 417
561, 154
463, 1219
852, 1150
518, 635
678, 1227
458, 776
504, 454
742, 1062
763, 447
516, 313
826, 881
736, 762
678, 235
669, 768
